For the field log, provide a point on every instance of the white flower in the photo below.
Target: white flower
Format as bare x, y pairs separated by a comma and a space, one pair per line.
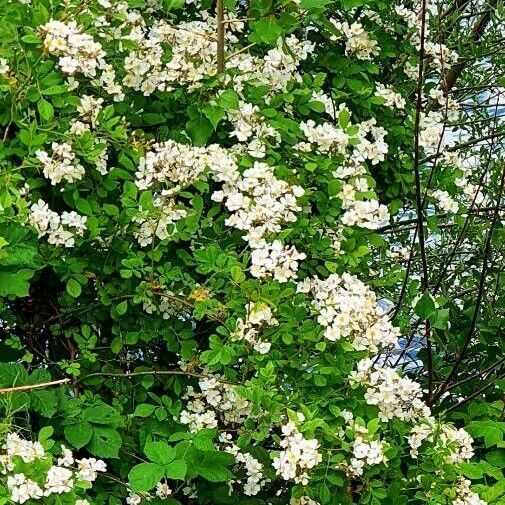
67, 458
163, 491
62, 165
4, 67
58, 480
464, 494
391, 98
297, 457
60, 236
22, 489
88, 468
74, 220
275, 260
357, 41
348, 309
133, 499
27, 450
395, 396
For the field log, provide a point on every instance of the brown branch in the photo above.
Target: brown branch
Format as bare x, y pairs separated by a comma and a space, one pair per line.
452, 75
154, 373
29, 387
480, 296
468, 143
220, 36
417, 174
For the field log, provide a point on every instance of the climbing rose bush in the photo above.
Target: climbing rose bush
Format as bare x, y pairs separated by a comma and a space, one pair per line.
196, 291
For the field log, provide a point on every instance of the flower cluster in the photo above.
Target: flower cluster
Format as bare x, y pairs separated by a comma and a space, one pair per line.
472, 193
390, 96
255, 480
193, 56
445, 202
156, 223
61, 165
163, 490
298, 456
4, 67
458, 442
368, 214
395, 396
170, 167
303, 500
372, 145
60, 229
78, 52
250, 127
275, 260
276, 69
357, 41
258, 316
328, 138
175, 166
365, 452
217, 402
465, 496
57, 479
348, 310
259, 202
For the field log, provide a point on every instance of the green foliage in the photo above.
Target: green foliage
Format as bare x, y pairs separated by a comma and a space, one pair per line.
135, 265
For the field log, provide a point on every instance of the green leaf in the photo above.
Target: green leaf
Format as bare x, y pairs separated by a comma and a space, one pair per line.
266, 31
214, 114
324, 494
45, 109
493, 436
44, 402
83, 206
151, 118
102, 414
145, 476
200, 130
74, 288
176, 470
440, 319
122, 307
144, 410
31, 38
203, 439
78, 435
45, 433
215, 473
314, 4
212, 466
105, 442
228, 100
15, 284
425, 306
351, 4
159, 452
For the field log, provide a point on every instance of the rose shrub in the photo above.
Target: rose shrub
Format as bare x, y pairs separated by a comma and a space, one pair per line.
196, 205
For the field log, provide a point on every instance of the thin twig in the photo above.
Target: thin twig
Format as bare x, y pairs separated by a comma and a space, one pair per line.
417, 174
480, 295
29, 387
